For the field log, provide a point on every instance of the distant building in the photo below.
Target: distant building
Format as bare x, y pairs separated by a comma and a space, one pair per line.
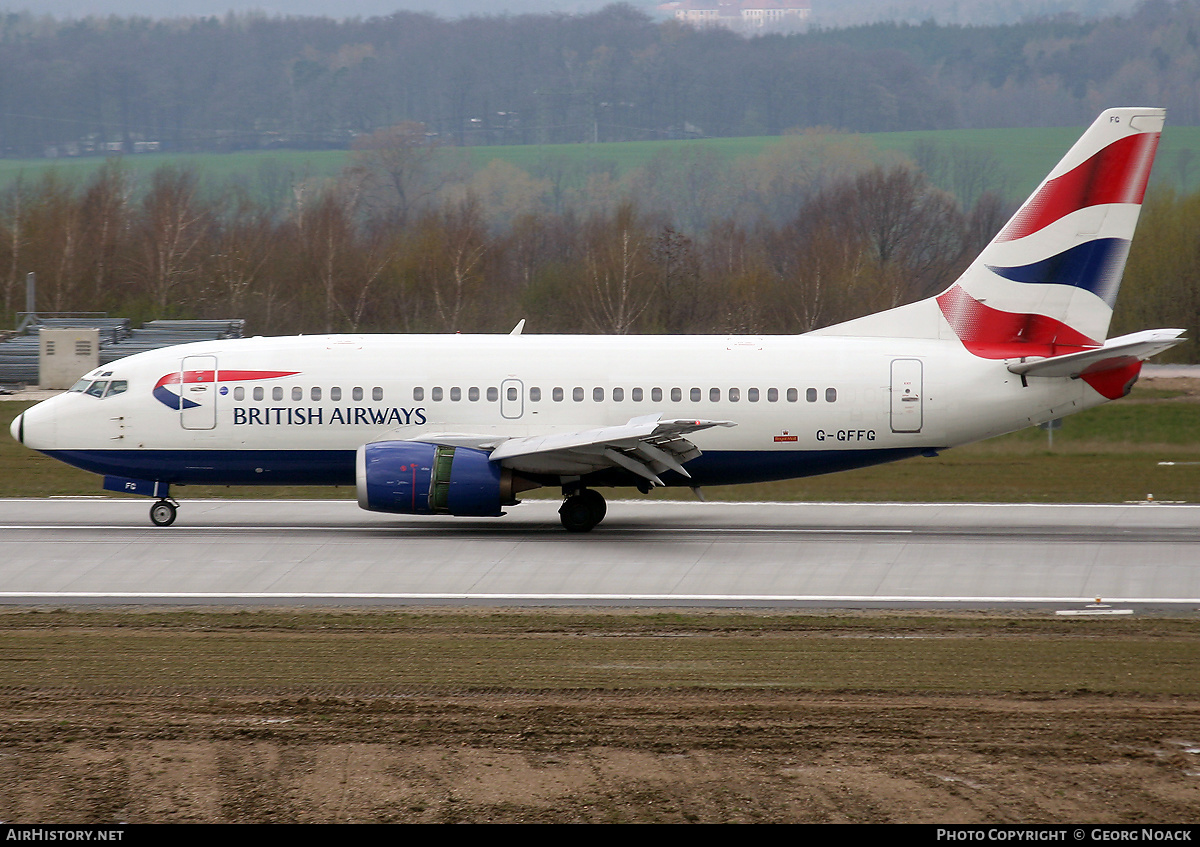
743, 15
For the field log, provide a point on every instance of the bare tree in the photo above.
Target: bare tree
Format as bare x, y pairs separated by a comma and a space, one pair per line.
54, 227
967, 172
170, 232
620, 286
914, 232
397, 170
106, 222
677, 268
325, 229
12, 242
455, 270
243, 242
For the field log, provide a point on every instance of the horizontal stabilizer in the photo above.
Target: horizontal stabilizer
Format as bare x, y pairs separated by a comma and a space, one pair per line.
1116, 353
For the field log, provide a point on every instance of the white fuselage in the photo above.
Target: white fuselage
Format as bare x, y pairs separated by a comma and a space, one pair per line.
294, 410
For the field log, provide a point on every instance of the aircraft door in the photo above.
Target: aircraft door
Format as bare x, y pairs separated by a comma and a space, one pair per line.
907, 405
198, 392
512, 399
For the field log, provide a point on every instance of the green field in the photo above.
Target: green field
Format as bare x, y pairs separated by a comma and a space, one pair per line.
1112, 454
298, 652
1026, 154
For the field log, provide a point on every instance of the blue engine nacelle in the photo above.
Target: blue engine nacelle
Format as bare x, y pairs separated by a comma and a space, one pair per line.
411, 478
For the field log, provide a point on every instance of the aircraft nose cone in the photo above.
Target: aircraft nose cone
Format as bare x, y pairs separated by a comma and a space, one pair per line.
18, 428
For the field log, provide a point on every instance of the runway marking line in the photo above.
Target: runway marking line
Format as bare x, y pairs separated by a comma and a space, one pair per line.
774, 598
423, 527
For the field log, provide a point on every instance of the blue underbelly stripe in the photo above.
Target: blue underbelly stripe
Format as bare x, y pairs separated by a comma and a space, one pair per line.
336, 467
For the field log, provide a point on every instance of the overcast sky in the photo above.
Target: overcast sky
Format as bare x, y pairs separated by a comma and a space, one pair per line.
329, 8
836, 12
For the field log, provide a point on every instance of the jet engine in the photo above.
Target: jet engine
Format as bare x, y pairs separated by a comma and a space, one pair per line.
413, 478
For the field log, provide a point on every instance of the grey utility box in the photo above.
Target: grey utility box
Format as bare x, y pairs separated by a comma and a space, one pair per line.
64, 355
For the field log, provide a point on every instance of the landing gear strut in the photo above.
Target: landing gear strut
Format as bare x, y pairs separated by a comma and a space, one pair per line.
582, 510
163, 512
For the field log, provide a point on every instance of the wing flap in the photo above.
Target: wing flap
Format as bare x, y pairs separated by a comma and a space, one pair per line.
646, 446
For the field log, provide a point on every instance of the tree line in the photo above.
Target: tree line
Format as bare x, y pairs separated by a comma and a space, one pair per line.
247, 81
379, 249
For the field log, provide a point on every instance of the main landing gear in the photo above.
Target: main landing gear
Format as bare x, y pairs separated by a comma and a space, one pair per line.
582, 510
163, 512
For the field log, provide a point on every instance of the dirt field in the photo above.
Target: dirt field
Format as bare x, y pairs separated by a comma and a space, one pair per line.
691, 718
661, 756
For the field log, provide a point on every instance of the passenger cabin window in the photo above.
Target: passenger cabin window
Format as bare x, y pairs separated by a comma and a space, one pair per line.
512, 392
297, 392
335, 394
714, 395
377, 393
830, 395
752, 395
277, 392
535, 394
656, 395
493, 393
811, 395
357, 393
557, 395
598, 395
258, 392
577, 394
436, 393
793, 395
418, 394
734, 395
315, 394
696, 393
618, 394
676, 395
456, 394
772, 395
636, 395
239, 393
473, 393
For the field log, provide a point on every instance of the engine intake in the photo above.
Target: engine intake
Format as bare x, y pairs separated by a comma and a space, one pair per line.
412, 478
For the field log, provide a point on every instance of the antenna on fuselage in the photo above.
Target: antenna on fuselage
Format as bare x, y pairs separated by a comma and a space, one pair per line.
516, 330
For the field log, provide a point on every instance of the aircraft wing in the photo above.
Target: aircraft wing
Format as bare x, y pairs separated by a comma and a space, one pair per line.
1116, 353
646, 446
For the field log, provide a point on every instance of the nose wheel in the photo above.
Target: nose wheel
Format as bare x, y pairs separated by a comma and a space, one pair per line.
163, 513
581, 511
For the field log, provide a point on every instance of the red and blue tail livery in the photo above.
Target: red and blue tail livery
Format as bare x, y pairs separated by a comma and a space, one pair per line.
1056, 266
1116, 173
429, 425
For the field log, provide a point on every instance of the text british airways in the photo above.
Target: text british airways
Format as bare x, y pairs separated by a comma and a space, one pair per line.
316, 416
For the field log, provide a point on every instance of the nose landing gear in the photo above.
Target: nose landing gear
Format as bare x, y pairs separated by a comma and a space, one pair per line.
163, 512
582, 510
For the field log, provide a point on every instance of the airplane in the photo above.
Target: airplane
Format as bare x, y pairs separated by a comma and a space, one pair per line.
462, 424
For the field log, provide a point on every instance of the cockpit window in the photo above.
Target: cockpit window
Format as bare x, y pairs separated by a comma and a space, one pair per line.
96, 389
117, 386
81, 385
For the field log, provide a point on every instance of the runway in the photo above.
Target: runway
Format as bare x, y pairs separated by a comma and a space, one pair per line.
97, 551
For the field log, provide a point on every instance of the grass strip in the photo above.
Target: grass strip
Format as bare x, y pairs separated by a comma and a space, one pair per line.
290, 653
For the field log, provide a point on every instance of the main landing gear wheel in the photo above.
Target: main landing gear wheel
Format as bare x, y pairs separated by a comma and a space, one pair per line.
163, 513
583, 510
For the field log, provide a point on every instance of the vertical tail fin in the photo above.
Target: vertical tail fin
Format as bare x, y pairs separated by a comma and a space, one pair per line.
1048, 282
